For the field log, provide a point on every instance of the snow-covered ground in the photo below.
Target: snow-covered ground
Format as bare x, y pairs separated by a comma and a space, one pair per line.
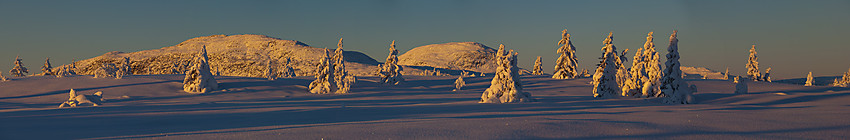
154, 106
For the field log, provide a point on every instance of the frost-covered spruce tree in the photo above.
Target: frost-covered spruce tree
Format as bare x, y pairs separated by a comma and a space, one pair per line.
124, 69
845, 80
47, 69
18, 70
286, 70
106, 70
271, 73
622, 72
391, 72
538, 67
199, 79
506, 85
67, 70
726, 74
2, 78
618, 62
459, 83
753, 65
632, 85
652, 68
341, 77
674, 89
605, 79
809, 80
565, 66
324, 76
766, 76
740, 86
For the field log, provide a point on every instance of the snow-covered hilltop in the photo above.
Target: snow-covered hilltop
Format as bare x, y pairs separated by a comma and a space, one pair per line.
230, 55
469, 56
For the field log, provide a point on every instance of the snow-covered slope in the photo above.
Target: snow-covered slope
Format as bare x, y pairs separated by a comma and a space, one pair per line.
230, 55
699, 72
470, 56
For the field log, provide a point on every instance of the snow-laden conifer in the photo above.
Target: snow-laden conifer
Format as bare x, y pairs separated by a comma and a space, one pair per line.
18, 70
124, 69
674, 89
271, 73
726, 74
605, 79
391, 72
565, 66
844, 81
47, 69
198, 78
324, 76
584, 73
2, 78
506, 85
538, 67
459, 83
809, 80
286, 70
753, 65
766, 76
106, 70
622, 71
67, 70
652, 67
341, 77
740, 85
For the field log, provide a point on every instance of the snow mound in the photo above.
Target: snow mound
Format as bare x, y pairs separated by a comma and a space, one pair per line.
230, 55
469, 56
700, 72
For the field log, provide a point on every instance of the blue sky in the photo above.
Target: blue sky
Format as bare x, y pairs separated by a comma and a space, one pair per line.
792, 37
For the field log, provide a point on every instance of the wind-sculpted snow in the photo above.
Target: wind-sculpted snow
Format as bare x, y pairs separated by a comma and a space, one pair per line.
230, 55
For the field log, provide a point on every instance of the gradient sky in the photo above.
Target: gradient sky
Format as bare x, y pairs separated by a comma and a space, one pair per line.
793, 37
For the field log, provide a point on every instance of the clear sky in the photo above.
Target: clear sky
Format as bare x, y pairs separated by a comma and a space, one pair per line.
791, 36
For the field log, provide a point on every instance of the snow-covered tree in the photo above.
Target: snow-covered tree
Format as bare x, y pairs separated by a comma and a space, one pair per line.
622, 71
124, 69
199, 79
106, 70
271, 73
845, 80
645, 70
391, 72
506, 85
726, 74
459, 83
2, 78
652, 66
286, 70
19, 70
67, 70
565, 66
809, 80
674, 89
740, 86
538, 67
604, 81
753, 65
324, 76
584, 73
341, 77
47, 69
766, 76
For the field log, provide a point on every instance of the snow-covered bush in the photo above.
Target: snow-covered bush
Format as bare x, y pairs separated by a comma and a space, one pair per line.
324, 76
286, 70
198, 78
47, 69
391, 72
18, 70
565, 66
766, 76
271, 73
79, 99
674, 89
124, 68
753, 65
106, 70
67, 70
809, 80
538, 67
459, 83
740, 86
506, 85
341, 77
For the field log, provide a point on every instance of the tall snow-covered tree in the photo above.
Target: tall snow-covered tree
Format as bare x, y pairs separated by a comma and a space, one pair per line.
341, 77
740, 86
459, 83
324, 76
674, 89
198, 78
753, 65
124, 69
538, 67
271, 73
391, 72
565, 66
845, 80
726, 74
766, 76
809, 80
47, 69
286, 70
506, 85
652, 66
622, 71
18, 70
605, 79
